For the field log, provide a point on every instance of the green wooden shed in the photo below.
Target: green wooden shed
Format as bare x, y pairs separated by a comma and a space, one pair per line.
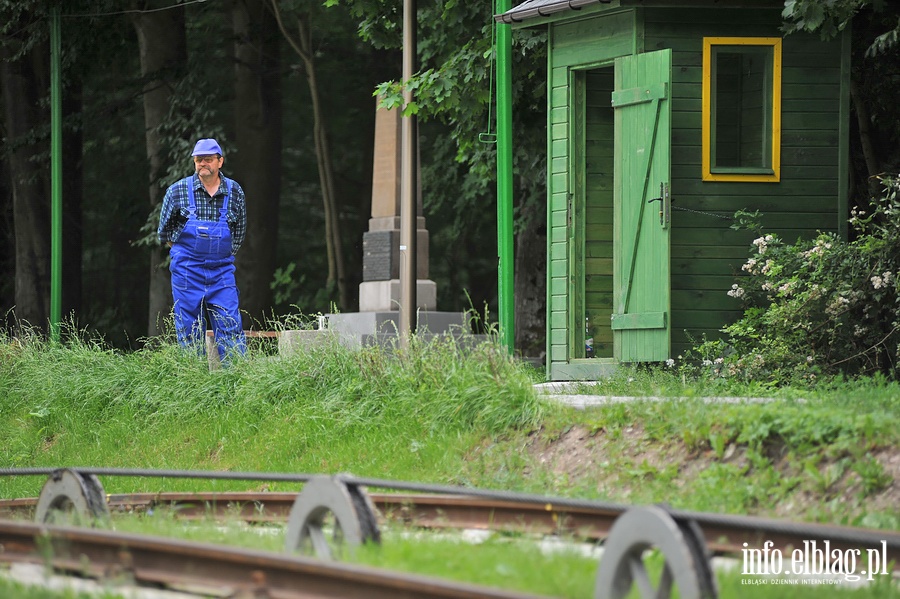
664, 118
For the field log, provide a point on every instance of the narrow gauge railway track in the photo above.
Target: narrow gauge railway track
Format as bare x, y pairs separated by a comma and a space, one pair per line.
217, 570
686, 540
724, 535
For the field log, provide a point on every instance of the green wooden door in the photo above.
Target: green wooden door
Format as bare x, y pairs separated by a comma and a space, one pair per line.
641, 313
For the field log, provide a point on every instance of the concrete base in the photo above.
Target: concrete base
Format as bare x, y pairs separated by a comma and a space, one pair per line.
384, 296
291, 341
360, 329
357, 329
586, 369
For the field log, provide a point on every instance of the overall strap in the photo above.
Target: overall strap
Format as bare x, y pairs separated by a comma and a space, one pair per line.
192, 207
228, 182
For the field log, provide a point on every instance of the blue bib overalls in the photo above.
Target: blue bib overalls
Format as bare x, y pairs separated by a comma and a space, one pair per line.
203, 284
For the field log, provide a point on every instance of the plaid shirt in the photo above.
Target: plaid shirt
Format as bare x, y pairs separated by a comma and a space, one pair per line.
174, 213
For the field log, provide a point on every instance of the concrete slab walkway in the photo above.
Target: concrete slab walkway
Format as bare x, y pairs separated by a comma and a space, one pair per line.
577, 394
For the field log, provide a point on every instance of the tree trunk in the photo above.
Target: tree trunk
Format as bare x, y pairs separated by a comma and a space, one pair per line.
25, 83
326, 172
257, 167
530, 283
162, 43
333, 243
7, 244
865, 137
73, 194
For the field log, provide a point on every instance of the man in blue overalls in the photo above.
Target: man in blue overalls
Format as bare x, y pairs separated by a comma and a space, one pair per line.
203, 221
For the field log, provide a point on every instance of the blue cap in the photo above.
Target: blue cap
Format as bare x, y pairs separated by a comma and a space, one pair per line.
206, 147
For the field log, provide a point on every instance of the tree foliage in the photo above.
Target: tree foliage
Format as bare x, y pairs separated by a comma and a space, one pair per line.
357, 52
101, 55
827, 18
303, 44
830, 18
875, 79
454, 97
456, 60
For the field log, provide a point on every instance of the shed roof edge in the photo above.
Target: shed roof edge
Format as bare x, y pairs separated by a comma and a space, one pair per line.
531, 9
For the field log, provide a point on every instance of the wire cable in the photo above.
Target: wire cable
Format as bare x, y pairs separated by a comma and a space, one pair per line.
135, 10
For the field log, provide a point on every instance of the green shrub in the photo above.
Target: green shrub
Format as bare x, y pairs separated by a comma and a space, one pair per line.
820, 306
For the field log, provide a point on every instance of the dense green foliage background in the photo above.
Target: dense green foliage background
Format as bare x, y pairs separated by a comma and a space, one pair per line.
108, 284
111, 228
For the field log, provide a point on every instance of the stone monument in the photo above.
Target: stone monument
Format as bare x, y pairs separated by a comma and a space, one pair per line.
378, 319
380, 289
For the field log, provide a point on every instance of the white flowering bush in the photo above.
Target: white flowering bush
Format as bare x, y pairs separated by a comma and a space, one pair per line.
820, 306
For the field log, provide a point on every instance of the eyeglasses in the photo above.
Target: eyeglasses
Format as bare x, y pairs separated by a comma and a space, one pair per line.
206, 159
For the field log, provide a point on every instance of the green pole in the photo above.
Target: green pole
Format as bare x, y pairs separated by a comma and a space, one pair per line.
55, 177
504, 181
409, 183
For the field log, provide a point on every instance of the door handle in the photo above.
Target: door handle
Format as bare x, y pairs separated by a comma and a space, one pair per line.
666, 213
665, 205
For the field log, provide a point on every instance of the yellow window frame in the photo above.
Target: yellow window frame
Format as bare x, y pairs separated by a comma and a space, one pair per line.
774, 169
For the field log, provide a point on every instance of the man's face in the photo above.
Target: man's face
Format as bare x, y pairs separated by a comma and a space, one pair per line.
208, 165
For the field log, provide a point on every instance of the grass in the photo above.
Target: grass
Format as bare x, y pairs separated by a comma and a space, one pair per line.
328, 410
501, 561
12, 589
815, 454
437, 414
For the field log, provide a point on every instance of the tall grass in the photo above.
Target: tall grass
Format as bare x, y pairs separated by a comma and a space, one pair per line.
322, 408
438, 411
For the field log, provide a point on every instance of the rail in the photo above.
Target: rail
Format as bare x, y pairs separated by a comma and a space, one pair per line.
213, 569
687, 539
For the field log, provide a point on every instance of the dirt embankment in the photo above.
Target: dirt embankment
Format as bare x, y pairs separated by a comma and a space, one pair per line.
585, 457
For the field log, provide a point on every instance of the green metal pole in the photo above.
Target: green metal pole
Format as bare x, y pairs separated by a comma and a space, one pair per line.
409, 183
55, 177
504, 180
